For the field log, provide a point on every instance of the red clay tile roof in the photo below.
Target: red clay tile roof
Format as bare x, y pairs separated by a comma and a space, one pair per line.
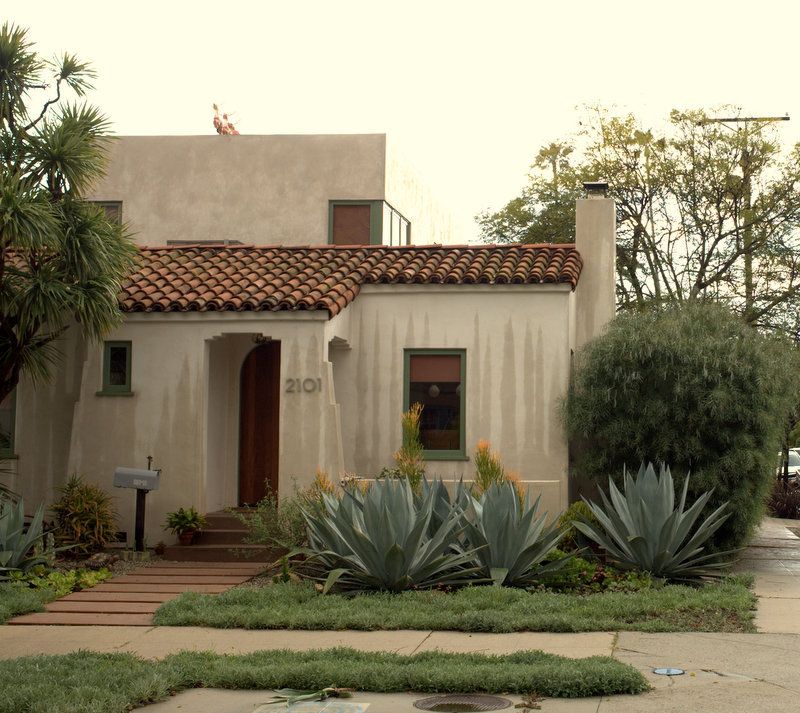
226, 278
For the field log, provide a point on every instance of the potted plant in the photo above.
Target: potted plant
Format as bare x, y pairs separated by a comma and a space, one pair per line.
185, 523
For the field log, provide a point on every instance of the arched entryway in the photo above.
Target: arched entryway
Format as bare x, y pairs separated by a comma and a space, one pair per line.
259, 423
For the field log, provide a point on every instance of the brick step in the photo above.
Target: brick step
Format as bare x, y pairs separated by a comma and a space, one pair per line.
110, 607
220, 553
224, 520
83, 619
220, 536
90, 595
174, 579
161, 588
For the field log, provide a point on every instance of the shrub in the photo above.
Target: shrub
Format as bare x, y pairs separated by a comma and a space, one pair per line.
281, 524
691, 386
573, 538
785, 503
488, 467
85, 517
643, 529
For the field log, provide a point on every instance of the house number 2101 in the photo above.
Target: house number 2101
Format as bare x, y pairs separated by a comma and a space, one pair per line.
296, 386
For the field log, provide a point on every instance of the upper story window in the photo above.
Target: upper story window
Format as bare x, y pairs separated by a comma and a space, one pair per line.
366, 223
113, 209
116, 369
435, 379
7, 421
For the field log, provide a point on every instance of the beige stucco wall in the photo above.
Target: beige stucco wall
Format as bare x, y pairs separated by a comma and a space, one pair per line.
517, 352
260, 190
43, 425
184, 410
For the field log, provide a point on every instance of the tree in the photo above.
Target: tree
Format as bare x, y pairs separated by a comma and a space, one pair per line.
62, 260
704, 211
691, 386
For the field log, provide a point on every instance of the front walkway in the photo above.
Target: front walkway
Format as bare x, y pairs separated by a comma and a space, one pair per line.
132, 599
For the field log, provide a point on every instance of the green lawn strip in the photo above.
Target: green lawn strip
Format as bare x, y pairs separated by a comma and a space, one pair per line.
726, 606
16, 600
85, 682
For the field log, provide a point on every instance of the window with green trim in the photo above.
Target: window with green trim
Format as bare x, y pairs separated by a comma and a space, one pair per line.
117, 368
8, 411
435, 378
366, 222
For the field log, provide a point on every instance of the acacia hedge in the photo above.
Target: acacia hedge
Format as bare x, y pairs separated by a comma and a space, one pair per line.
693, 387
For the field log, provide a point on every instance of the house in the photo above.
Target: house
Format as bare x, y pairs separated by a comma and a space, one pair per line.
295, 294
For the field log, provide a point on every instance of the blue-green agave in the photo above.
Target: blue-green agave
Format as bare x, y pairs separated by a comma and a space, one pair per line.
20, 546
383, 540
510, 539
643, 529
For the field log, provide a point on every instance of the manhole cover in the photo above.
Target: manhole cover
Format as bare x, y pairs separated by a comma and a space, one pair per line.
455, 703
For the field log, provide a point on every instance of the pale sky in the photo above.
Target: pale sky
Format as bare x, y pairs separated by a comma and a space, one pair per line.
470, 90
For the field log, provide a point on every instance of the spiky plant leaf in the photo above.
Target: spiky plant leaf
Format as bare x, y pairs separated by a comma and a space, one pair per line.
382, 540
642, 528
511, 541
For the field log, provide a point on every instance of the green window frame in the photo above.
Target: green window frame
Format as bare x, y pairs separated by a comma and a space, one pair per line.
7, 442
112, 209
461, 452
116, 389
379, 212
375, 218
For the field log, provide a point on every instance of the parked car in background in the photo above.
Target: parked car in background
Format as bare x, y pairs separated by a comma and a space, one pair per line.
794, 465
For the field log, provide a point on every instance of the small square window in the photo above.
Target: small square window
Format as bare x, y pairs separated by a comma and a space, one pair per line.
117, 368
8, 409
435, 379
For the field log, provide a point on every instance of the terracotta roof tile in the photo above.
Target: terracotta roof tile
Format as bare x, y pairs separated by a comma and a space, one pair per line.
224, 278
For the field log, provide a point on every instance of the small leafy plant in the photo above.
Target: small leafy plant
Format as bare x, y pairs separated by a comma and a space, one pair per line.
85, 517
61, 583
643, 529
184, 520
785, 502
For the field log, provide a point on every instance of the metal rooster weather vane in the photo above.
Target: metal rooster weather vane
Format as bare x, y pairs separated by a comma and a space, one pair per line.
223, 126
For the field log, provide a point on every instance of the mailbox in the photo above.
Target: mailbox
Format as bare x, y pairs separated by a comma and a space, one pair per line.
137, 478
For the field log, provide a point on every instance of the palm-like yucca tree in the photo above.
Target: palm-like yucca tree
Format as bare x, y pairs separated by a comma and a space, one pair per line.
641, 528
62, 260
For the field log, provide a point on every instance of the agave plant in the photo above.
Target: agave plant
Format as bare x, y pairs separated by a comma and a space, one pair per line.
642, 529
510, 540
382, 540
20, 546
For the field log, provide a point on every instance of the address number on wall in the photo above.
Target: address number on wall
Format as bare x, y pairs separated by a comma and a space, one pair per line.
308, 386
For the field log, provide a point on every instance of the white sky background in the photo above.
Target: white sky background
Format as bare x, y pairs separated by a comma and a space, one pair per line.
470, 90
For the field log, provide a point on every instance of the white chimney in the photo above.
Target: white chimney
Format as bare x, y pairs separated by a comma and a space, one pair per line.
596, 241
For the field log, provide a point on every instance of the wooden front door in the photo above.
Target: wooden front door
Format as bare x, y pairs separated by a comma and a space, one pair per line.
259, 401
